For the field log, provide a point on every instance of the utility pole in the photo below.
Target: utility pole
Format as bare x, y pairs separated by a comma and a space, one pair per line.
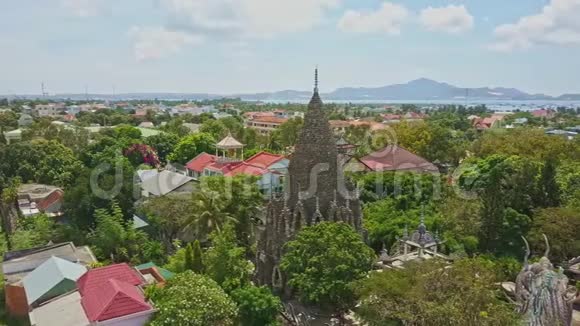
43, 90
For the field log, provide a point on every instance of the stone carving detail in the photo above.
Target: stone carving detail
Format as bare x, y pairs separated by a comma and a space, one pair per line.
541, 292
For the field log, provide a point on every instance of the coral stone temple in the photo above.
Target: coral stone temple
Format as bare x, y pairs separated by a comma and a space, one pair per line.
316, 191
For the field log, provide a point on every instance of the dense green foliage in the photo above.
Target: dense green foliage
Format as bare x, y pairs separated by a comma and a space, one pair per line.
321, 262
257, 306
225, 261
193, 300
432, 294
191, 146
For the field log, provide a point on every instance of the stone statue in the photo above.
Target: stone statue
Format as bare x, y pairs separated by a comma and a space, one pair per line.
541, 292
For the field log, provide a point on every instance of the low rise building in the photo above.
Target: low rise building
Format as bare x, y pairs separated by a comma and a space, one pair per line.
13, 136
38, 198
265, 125
111, 295
18, 264
391, 158
161, 183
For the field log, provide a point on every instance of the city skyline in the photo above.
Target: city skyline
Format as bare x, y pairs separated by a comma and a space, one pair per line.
248, 46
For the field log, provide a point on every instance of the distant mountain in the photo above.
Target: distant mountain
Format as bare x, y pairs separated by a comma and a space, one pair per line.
419, 89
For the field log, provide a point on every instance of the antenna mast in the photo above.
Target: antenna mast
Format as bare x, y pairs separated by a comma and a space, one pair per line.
43, 90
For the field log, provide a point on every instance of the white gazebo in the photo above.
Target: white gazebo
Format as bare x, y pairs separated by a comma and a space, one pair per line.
229, 145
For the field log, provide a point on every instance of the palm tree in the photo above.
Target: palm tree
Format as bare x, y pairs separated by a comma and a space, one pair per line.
209, 213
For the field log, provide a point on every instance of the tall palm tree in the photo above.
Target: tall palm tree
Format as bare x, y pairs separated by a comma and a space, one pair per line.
209, 213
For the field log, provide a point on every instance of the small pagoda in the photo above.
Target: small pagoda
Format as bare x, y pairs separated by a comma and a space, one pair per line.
229, 147
421, 245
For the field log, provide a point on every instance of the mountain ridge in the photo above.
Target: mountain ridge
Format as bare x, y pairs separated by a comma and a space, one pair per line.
423, 89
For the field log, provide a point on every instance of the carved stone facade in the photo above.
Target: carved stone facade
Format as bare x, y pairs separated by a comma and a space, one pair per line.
316, 191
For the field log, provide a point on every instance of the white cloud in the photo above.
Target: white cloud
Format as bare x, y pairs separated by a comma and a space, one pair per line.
451, 19
83, 8
157, 42
387, 19
556, 24
249, 18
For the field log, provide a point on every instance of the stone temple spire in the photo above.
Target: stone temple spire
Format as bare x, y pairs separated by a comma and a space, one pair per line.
313, 191
316, 80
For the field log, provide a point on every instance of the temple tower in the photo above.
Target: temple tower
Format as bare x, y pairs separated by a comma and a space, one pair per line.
316, 191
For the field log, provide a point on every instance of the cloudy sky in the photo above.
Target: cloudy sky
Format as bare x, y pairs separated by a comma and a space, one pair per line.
226, 46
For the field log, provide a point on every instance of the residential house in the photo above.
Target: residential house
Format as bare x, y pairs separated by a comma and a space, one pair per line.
110, 295
144, 268
146, 124
38, 198
265, 125
544, 113
54, 277
221, 115
155, 183
195, 167
256, 115
52, 110
391, 158
13, 136
269, 161
271, 168
192, 127
25, 120
340, 126
489, 122
391, 118
18, 264
113, 294
191, 109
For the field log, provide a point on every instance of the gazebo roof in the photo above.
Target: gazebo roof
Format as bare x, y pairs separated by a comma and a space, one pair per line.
229, 143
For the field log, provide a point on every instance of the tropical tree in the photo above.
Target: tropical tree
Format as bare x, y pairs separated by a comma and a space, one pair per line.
257, 306
433, 293
118, 241
561, 226
241, 199
225, 261
209, 213
197, 258
168, 215
163, 143
323, 260
193, 299
191, 146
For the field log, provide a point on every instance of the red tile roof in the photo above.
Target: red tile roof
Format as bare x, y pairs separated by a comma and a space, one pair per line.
199, 163
53, 198
395, 158
95, 278
245, 168
264, 159
113, 299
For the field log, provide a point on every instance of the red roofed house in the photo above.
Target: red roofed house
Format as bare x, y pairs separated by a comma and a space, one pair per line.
196, 166
543, 113
113, 294
110, 295
271, 168
269, 161
391, 158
